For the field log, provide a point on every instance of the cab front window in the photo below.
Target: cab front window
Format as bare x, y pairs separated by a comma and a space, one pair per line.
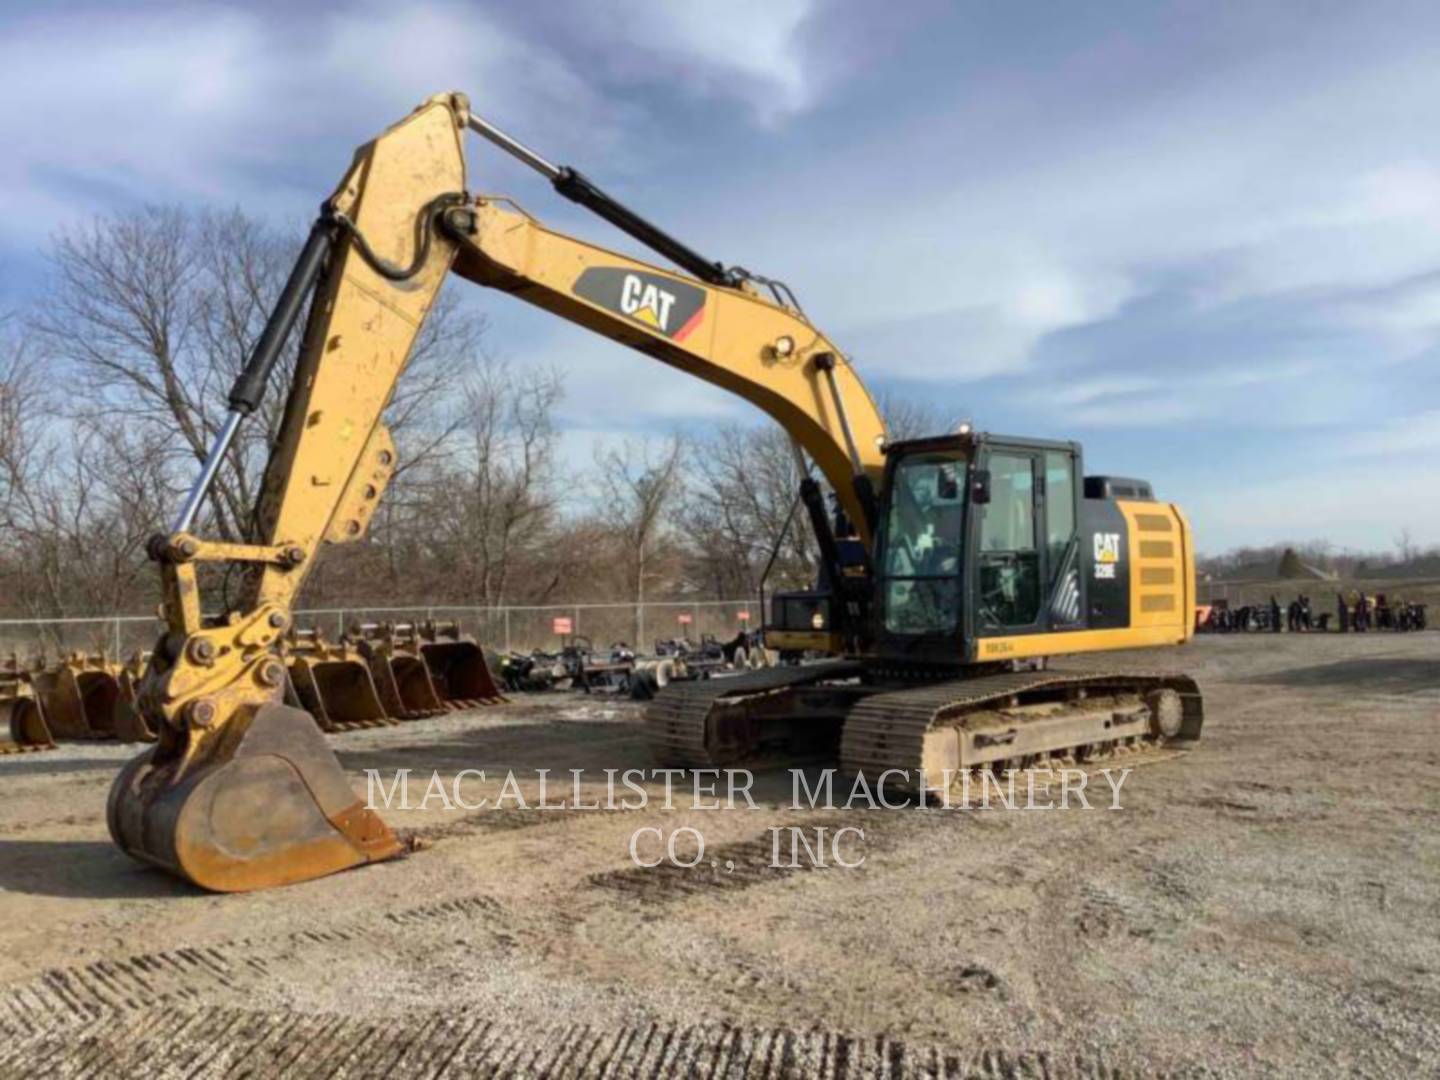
921, 546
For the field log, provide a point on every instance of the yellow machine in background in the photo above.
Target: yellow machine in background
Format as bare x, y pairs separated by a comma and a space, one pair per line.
973, 555
22, 717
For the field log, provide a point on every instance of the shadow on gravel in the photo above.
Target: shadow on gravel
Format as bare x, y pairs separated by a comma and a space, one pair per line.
525, 748
1378, 674
42, 764
81, 868
520, 747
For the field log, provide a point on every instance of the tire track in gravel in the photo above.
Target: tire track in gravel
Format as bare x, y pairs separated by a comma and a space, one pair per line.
63, 999
223, 1042
732, 867
70, 998
745, 864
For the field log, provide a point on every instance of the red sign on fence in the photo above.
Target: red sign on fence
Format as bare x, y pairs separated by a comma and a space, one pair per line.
562, 624
686, 618
743, 616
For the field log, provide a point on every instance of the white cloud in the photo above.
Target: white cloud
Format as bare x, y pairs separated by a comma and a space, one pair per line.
607, 386
1362, 507
1417, 434
125, 113
749, 50
218, 103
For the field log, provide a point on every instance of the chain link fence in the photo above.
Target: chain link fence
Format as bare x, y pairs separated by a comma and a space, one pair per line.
518, 628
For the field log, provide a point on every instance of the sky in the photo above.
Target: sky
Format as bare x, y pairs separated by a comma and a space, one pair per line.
1202, 239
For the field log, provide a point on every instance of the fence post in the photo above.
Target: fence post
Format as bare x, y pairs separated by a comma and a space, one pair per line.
508, 647
340, 624
117, 638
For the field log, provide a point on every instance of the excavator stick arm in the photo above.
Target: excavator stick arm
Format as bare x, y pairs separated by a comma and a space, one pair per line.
230, 797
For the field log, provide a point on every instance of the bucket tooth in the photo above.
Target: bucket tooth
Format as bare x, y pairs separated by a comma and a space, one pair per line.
79, 696
268, 804
22, 718
333, 683
458, 667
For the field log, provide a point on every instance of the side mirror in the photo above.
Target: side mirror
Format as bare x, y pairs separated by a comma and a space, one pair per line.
980, 486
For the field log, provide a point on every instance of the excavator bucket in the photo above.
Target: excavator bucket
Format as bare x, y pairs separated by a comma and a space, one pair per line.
458, 668
398, 669
269, 805
333, 682
130, 722
79, 695
22, 719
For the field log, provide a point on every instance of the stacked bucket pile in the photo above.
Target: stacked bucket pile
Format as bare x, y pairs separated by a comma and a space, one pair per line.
378, 674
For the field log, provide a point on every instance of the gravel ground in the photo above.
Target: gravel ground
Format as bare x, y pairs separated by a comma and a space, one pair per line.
1263, 905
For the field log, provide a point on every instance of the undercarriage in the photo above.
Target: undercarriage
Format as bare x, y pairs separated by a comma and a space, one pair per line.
931, 731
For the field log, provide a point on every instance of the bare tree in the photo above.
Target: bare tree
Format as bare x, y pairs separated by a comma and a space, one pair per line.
496, 495
77, 500
911, 418
638, 484
158, 310
1406, 547
742, 508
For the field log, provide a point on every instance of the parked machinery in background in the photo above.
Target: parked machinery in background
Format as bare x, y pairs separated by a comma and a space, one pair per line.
22, 717
333, 681
130, 722
426, 668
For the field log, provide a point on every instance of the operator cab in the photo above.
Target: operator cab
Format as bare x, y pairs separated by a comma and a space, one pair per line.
978, 538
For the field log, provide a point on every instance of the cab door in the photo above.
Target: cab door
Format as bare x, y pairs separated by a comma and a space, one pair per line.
1007, 588
1027, 551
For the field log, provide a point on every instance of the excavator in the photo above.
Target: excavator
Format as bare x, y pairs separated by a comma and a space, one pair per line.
967, 560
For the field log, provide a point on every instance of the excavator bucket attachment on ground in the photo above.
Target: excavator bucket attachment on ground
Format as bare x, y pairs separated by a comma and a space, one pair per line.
268, 806
398, 669
79, 696
130, 722
22, 719
458, 668
333, 682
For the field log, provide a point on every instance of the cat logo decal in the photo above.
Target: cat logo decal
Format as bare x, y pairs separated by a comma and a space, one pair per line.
671, 307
